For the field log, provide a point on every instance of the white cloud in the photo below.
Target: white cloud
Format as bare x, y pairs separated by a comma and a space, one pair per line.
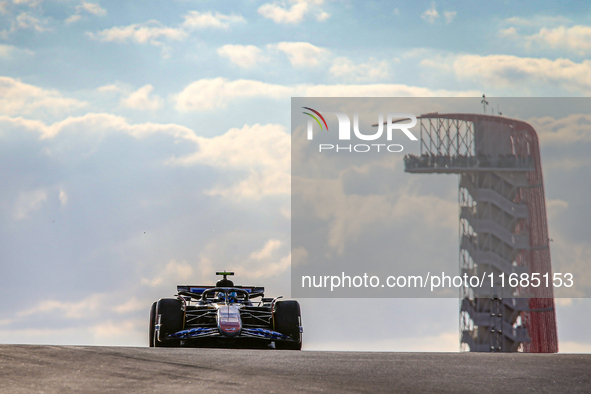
131, 305
72, 19
245, 56
142, 33
544, 32
70, 309
563, 302
508, 71
439, 62
22, 14
510, 32
30, 3
29, 202
265, 263
209, 94
556, 206
142, 99
262, 151
99, 124
85, 7
9, 51
124, 333
380, 90
299, 256
85, 310
567, 163
17, 97
91, 8
349, 216
431, 14
270, 261
259, 153
3, 7
449, 16
574, 347
279, 12
116, 88
322, 16
301, 54
115, 330
173, 271
372, 70
267, 252
575, 39
63, 197
269, 269
572, 257
212, 94
538, 21
570, 130
153, 32
202, 20
27, 21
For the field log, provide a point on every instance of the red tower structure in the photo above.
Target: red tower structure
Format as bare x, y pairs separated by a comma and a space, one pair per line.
503, 226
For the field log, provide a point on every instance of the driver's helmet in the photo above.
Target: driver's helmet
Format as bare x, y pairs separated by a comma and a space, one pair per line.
232, 296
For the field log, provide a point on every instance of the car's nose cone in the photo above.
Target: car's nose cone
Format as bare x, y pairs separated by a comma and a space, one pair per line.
229, 322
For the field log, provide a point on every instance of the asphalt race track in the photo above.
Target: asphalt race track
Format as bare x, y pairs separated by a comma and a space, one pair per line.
86, 369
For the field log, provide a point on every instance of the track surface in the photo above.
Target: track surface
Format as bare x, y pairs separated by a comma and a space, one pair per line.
63, 369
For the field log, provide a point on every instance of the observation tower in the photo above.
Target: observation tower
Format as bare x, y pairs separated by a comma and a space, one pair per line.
503, 226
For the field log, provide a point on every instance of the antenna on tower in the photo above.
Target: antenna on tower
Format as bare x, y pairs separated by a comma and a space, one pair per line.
484, 103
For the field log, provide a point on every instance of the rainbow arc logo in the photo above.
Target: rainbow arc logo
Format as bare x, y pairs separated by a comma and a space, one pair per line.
316, 119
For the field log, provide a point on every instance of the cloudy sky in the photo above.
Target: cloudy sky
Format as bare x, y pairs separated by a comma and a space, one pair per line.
147, 143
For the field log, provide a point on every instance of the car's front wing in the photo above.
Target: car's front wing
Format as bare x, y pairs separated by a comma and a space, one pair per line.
202, 332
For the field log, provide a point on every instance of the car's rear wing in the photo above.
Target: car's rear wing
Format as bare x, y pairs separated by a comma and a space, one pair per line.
200, 289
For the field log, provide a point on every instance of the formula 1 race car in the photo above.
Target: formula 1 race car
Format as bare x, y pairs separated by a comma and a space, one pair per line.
225, 315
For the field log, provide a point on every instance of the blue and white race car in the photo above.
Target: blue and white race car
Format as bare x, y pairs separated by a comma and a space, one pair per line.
225, 315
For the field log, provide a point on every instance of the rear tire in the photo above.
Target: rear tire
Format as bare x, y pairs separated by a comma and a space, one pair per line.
287, 321
171, 315
152, 324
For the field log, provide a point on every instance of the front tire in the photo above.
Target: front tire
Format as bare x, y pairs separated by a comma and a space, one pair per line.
152, 324
169, 311
287, 320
